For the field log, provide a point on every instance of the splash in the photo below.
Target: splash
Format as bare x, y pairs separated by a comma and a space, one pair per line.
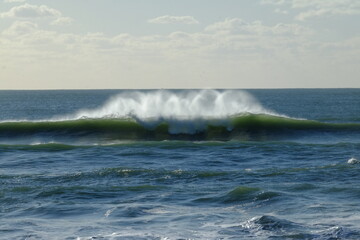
353, 161
185, 111
184, 105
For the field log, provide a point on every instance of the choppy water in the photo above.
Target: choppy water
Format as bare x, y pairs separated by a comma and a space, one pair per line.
180, 164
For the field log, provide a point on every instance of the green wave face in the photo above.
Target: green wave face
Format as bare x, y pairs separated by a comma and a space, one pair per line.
243, 127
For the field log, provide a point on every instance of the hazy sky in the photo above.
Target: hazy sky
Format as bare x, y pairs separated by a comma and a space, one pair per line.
82, 44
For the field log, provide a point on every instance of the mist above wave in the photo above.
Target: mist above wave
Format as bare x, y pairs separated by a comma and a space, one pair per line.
166, 104
185, 111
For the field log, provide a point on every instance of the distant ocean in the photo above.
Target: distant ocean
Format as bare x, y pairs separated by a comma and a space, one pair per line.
180, 164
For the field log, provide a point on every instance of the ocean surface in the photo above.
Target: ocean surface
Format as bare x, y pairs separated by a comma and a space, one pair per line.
180, 164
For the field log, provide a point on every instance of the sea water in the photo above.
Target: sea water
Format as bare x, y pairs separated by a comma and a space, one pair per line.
180, 164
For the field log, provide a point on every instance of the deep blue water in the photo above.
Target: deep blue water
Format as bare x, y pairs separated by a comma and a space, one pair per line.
117, 164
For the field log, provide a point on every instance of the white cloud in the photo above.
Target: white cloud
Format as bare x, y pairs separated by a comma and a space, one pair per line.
174, 19
28, 11
274, 2
62, 21
14, 1
278, 10
317, 8
232, 49
221, 38
230, 39
19, 28
239, 26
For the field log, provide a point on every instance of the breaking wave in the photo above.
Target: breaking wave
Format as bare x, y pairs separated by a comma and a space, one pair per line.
242, 127
168, 105
172, 115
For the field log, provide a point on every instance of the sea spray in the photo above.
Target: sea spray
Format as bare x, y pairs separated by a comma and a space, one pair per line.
185, 111
166, 104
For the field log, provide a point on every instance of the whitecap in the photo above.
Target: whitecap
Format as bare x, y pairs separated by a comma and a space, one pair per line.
353, 161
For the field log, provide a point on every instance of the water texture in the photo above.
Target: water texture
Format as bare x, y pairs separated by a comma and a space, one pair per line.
180, 164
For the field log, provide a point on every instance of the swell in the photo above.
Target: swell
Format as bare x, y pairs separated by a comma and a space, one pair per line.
169, 145
242, 127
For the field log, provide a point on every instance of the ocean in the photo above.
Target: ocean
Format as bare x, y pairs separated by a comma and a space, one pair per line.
180, 164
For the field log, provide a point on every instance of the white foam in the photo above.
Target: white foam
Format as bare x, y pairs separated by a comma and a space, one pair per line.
185, 111
353, 161
165, 104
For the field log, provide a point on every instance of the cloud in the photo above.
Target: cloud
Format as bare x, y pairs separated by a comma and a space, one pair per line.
28, 11
318, 8
20, 28
31, 11
13, 1
274, 2
229, 38
232, 49
319, 11
239, 26
62, 21
174, 19
278, 10
226, 37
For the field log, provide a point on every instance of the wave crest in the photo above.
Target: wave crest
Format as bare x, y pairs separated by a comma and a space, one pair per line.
244, 127
184, 111
169, 105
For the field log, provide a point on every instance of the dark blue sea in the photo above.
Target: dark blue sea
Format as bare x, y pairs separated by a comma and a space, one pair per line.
180, 164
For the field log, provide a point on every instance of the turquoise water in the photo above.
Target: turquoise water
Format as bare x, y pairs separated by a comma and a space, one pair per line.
180, 164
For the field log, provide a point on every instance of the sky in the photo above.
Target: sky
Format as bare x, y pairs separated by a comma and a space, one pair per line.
141, 44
